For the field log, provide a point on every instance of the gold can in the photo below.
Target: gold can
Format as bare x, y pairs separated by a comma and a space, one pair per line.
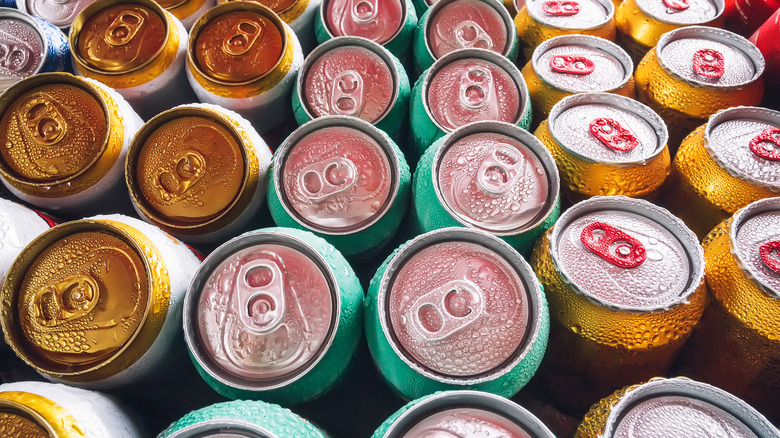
299, 14
187, 11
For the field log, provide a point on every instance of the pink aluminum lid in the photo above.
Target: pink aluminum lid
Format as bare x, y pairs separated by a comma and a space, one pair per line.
376, 20
60, 13
21, 49
462, 24
466, 422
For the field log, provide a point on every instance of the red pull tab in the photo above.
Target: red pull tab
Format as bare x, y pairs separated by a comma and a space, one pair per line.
613, 245
765, 252
614, 136
577, 65
561, 7
680, 5
767, 144
709, 63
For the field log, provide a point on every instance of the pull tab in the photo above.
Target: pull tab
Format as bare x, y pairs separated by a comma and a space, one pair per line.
444, 311
613, 135
576, 65
679, 5
14, 58
709, 63
364, 11
189, 167
124, 28
260, 285
469, 34
347, 95
476, 86
242, 37
500, 169
45, 122
327, 178
613, 245
765, 252
767, 144
561, 7
65, 300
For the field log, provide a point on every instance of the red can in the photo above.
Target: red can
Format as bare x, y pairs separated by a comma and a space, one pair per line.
747, 15
767, 39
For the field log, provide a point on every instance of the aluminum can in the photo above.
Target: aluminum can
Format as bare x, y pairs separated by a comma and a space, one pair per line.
737, 344
135, 47
673, 408
243, 57
451, 25
19, 225
625, 281
352, 76
540, 20
606, 144
69, 136
38, 409
641, 23
767, 40
456, 413
464, 86
572, 64
723, 166
299, 14
8, 4
391, 23
29, 46
274, 314
187, 11
96, 303
60, 13
456, 309
198, 172
694, 72
242, 419
746, 16
491, 176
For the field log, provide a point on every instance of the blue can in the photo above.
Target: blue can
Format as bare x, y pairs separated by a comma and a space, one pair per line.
8, 3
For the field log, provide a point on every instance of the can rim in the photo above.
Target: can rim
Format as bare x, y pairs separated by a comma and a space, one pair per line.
766, 205
685, 387
26, 9
641, 207
467, 399
379, 137
16, 14
529, 141
533, 291
720, 5
590, 41
607, 4
404, 13
224, 425
485, 55
29, 412
346, 41
722, 36
615, 100
195, 290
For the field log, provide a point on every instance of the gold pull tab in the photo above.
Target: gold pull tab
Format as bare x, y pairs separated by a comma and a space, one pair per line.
242, 37
189, 167
44, 121
124, 28
65, 300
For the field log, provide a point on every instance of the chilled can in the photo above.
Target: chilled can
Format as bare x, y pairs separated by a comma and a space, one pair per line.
299, 14
746, 16
187, 11
464, 86
457, 413
97, 302
243, 57
451, 25
275, 314
491, 176
68, 137
572, 64
723, 166
767, 40
60, 13
351, 76
606, 144
19, 225
625, 280
456, 309
38, 409
694, 72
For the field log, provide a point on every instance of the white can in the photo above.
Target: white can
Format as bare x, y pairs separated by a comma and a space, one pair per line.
19, 225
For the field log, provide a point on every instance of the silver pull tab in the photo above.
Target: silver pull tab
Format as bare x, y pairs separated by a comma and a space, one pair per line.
364, 11
13, 58
347, 95
476, 87
446, 310
261, 301
471, 35
319, 181
500, 169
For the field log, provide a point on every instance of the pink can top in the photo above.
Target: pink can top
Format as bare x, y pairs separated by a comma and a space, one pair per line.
466, 422
465, 24
757, 246
60, 13
21, 51
376, 20
580, 68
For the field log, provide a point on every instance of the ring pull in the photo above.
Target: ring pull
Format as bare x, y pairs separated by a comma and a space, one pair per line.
476, 87
327, 178
347, 93
500, 169
261, 301
576, 65
766, 251
767, 144
124, 28
14, 58
709, 63
364, 11
561, 7
613, 245
469, 35
242, 37
613, 135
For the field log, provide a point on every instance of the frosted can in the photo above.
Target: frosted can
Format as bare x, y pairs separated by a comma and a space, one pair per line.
60, 13
187, 11
299, 14
19, 225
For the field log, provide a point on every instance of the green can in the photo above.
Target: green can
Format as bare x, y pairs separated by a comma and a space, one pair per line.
342, 179
465, 86
275, 315
352, 76
492, 176
456, 309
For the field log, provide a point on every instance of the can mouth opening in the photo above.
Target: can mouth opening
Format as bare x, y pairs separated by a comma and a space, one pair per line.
326, 25
28, 413
15, 14
767, 205
509, 25
720, 6
606, 4
227, 426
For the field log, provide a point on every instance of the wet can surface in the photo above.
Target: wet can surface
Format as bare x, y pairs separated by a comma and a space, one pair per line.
673, 408
456, 309
694, 72
135, 47
19, 225
342, 179
606, 144
60, 13
738, 152
198, 172
187, 11
767, 39
299, 14
243, 57
351, 76
625, 280
96, 302
65, 156
491, 176
737, 344
274, 314
456, 413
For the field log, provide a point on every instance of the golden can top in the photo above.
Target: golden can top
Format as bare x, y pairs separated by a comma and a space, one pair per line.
278, 6
29, 415
171, 4
17, 425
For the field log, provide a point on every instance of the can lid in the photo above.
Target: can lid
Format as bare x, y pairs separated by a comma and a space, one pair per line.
755, 242
23, 47
581, 63
16, 423
571, 14
627, 254
377, 20
709, 57
465, 24
60, 13
29, 415
222, 428
682, 12
608, 129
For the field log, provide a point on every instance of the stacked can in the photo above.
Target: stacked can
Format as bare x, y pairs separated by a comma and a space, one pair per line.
60, 13
299, 14
187, 11
19, 225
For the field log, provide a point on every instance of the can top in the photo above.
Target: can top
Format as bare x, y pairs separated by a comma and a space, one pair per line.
709, 57
377, 20
24, 48
682, 12
18, 422
571, 14
29, 415
496, 177
608, 129
627, 254
60, 13
746, 142
465, 24
222, 428
755, 242
581, 63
